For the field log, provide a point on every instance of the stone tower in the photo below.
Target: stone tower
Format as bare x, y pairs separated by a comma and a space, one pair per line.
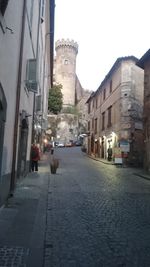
65, 69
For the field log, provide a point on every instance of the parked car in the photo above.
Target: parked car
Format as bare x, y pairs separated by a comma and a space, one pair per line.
60, 144
78, 143
68, 144
56, 143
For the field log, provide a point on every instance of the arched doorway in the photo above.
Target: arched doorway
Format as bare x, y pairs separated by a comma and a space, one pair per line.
92, 144
3, 109
97, 148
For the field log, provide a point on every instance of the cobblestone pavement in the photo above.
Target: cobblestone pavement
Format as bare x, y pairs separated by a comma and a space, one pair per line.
97, 215
22, 221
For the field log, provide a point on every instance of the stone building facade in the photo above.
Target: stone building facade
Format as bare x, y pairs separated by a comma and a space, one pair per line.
23, 54
83, 113
115, 112
144, 63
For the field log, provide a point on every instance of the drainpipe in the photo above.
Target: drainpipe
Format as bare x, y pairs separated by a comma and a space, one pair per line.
34, 96
18, 91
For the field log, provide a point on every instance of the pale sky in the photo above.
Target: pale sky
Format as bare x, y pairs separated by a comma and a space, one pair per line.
104, 31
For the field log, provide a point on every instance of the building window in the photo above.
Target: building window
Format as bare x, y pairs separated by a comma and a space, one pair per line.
109, 116
110, 88
103, 120
3, 6
88, 125
92, 123
89, 107
95, 126
104, 94
96, 102
93, 103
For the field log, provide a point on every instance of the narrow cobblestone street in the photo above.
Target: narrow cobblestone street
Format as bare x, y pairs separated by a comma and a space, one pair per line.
98, 215
88, 214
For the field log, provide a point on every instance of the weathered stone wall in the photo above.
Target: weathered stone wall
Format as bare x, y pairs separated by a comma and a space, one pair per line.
146, 115
65, 69
82, 108
65, 127
79, 92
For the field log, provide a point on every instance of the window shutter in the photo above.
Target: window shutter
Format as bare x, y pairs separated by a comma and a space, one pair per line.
31, 81
38, 103
31, 70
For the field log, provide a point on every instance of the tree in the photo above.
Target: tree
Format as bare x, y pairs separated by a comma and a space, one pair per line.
55, 100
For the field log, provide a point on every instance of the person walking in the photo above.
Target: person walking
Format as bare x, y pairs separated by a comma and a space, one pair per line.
35, 157
109, 151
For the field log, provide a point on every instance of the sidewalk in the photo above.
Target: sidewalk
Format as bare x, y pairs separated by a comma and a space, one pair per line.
23, 221
136, 171
102, 160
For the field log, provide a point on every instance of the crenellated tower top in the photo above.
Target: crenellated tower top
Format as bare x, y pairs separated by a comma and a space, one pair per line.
66, 43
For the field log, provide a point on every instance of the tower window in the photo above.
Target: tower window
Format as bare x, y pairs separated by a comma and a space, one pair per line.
66, 61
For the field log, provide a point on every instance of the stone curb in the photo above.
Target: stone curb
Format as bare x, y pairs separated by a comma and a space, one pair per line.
142, 175
145, 176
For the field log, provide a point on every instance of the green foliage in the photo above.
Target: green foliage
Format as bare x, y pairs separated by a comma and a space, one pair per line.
55, 100
70, 110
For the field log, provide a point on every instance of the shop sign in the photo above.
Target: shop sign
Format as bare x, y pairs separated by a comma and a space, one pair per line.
118, 155
125, 146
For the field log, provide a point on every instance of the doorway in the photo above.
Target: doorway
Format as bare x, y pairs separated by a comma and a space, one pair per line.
3, 109
92, 144
102, 148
